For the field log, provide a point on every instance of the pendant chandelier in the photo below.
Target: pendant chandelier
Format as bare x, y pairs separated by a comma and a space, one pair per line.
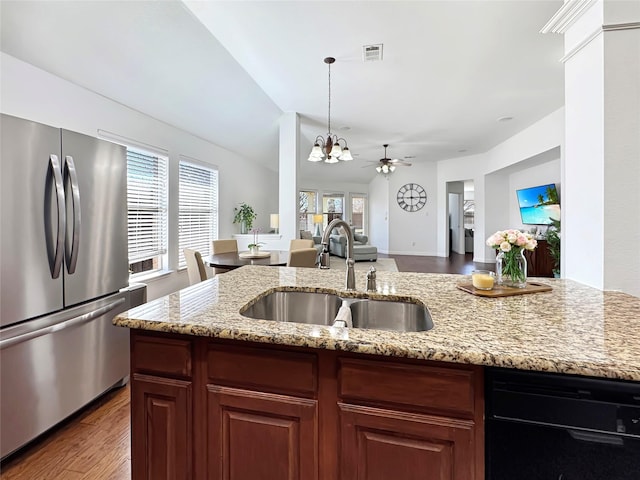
329, 147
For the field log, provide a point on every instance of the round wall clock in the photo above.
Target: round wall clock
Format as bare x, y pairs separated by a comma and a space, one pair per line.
412, 197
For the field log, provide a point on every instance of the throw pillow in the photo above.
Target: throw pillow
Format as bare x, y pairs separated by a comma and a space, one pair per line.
342, 231
306, 235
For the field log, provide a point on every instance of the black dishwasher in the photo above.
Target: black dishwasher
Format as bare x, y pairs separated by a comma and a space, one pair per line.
545, 426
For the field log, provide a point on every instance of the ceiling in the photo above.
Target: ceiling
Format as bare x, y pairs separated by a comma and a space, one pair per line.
226, 70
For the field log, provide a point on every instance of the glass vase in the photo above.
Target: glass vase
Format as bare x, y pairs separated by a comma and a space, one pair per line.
254, 250
511, 268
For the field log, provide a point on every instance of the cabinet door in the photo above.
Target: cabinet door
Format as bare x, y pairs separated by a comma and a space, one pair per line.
539, 261
161, 429
379, 444
261, 436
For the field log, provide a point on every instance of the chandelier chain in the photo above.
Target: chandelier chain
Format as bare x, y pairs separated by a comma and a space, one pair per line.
329, 113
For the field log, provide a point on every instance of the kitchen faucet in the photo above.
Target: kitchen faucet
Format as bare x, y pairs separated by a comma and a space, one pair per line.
324, 257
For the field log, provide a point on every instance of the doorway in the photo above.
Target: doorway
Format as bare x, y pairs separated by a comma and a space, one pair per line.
456, 228
460, 211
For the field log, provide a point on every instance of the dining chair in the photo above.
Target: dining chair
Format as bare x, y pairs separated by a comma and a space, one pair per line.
303, 257
298, 243
224, 246
195, 266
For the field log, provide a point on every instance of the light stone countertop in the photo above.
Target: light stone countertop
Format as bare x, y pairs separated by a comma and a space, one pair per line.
573, 329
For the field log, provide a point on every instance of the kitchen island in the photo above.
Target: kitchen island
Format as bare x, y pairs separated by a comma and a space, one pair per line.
219, 395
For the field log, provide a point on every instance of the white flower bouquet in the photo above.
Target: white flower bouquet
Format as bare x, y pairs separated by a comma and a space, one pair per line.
511, 243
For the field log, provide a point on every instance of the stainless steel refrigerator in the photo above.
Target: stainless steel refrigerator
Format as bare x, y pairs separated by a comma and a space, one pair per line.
63, 255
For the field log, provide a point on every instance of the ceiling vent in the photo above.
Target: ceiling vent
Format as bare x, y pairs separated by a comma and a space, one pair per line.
372, 53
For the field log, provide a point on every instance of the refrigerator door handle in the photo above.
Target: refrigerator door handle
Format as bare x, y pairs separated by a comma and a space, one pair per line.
54, 164
72, 322
70, 172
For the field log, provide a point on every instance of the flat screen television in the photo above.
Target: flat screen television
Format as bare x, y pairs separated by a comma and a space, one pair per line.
538, 205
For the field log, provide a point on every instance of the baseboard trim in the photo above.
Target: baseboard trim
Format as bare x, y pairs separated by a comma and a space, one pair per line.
418, 254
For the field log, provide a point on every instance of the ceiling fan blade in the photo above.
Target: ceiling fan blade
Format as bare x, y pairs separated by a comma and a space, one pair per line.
396, 161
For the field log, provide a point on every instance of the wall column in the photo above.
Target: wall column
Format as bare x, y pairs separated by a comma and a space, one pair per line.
288, 175
601, 170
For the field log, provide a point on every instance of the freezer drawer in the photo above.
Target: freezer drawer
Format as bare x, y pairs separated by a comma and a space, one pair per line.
53, 366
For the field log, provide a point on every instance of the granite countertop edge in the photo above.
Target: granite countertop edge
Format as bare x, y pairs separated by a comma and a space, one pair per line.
592, 337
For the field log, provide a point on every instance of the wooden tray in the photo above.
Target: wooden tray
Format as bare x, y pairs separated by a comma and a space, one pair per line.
254, 255
500, 291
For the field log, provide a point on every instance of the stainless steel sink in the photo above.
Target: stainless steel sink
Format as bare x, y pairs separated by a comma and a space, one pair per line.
321, 309
386, 315
299, 307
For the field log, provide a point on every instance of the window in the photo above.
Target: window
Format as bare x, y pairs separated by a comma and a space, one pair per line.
197, 209
147, 189
359, 213
306, 208
332, 205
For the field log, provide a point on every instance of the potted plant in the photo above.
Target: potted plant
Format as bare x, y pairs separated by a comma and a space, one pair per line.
244, 215
254, 247
553, 243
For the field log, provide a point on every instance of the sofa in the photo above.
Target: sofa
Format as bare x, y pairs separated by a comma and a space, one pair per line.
361, 251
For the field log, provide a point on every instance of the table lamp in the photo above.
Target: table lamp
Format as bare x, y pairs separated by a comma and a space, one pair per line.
275, 221
317, 219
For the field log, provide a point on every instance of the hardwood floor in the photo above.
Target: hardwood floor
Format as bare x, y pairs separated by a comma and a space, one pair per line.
455, 263
94, 444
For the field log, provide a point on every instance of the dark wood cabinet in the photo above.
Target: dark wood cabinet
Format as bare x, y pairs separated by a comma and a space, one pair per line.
381, 444
161, 428
215, 409
539, 261
261, 436
409, 421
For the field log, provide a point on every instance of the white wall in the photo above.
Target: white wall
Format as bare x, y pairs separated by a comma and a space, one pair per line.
288, 175
34, 94
622, 160
601, 231
497, 200
413, 233
584, 169
491, 172
543, 174
379, 204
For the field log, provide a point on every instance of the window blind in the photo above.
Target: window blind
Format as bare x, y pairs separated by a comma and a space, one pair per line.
147, 192
197, 209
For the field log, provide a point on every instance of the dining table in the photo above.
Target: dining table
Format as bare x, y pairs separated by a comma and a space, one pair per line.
231, 260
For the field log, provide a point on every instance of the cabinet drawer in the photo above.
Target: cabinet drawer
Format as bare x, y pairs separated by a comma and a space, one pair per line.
412, 387
164, 356
267, 370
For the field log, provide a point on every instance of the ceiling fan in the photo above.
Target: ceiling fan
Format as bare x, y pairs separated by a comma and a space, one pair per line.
388, 165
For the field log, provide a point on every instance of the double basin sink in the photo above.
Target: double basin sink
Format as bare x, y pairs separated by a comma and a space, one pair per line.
320, 308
